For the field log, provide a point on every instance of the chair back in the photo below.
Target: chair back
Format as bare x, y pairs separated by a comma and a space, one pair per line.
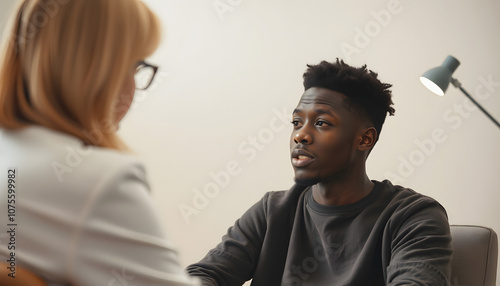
23, 277
475, 254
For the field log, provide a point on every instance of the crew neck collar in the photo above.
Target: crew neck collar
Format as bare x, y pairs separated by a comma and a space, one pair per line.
344, 209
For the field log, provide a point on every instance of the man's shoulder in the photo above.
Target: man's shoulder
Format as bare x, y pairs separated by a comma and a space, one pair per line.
398, 192
284, 200
404, 199
293, 195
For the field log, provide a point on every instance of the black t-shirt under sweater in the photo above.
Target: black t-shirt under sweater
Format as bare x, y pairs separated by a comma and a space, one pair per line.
393, 236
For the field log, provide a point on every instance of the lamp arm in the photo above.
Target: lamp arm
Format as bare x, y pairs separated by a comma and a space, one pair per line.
458, 85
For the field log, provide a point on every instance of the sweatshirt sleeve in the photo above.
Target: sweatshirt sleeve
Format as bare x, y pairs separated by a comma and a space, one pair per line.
119, 239
234, 259
420, 248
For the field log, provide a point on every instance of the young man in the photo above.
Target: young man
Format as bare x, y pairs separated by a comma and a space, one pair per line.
335, 226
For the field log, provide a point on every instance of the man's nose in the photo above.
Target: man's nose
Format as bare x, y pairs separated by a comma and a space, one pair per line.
303, 137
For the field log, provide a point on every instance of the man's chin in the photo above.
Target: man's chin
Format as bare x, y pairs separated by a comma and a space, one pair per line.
306, 181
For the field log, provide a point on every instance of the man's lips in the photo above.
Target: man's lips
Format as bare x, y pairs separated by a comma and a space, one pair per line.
301, 158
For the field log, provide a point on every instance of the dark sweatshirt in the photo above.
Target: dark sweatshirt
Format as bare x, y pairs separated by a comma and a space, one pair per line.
393, 236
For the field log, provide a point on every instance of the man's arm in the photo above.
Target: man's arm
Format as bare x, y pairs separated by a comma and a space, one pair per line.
233, 261
420, 248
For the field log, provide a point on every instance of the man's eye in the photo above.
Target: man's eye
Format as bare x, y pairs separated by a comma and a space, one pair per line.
322, 123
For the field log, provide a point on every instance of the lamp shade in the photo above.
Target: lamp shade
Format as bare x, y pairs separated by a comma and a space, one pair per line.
438, 78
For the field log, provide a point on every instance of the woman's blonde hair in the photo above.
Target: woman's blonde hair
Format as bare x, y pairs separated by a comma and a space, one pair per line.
64, 63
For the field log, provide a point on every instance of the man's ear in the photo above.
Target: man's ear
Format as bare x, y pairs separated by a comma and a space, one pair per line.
368, 139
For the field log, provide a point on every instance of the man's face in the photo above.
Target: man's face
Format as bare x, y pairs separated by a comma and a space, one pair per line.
325, 137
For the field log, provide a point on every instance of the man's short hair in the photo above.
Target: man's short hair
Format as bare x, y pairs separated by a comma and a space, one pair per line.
364, 91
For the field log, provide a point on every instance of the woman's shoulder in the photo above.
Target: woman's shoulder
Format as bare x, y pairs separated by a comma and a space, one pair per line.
37, 143
58, 173
64, 161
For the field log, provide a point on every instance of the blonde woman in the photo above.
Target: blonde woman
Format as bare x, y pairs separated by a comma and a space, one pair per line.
76, 207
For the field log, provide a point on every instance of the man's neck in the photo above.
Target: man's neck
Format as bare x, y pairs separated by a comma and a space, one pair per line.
343, 192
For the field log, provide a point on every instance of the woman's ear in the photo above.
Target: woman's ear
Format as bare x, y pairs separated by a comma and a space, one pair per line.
368, 139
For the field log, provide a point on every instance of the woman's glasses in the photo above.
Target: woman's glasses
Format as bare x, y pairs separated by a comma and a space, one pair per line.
144, 75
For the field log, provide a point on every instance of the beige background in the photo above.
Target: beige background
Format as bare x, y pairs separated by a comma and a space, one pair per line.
213, 122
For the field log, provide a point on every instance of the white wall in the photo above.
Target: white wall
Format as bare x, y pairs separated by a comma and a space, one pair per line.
225, 78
